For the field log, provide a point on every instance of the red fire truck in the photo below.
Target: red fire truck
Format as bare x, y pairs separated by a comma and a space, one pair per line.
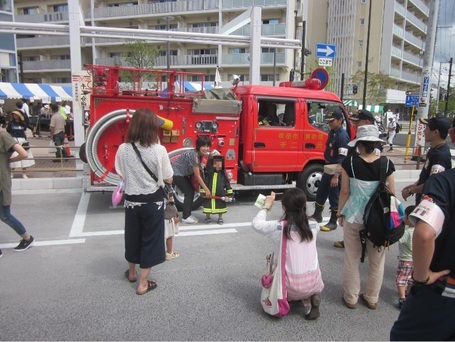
271, 137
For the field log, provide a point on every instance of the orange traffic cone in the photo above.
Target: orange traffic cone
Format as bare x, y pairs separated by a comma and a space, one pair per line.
66, 146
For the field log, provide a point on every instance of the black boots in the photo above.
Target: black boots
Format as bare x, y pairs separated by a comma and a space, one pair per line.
317, 215
332, 225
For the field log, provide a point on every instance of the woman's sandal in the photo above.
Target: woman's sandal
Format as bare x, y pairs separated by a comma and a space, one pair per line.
151, 285
127, 275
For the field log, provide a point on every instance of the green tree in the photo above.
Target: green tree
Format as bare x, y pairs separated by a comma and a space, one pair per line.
377, 85
140, 55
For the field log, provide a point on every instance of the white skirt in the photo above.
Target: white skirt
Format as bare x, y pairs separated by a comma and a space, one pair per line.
25, 162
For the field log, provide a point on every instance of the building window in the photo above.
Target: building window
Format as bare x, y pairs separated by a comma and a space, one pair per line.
60, 8
29, 10
363, 1
269, 78
360, 42
30, 58
237, 51
62, 80
362, 21
125, 4
60, 57
270, 21
162, 53
164, 27
268, 50
359, 64
197, 25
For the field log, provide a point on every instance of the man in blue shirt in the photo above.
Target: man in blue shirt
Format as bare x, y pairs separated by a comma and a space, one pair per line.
335, 151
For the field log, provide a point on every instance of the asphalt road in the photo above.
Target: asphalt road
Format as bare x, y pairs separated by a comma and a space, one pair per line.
71, 286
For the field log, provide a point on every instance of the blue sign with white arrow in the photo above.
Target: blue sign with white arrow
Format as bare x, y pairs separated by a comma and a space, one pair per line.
324, 50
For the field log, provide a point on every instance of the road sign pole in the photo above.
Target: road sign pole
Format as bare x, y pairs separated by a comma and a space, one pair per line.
408, 141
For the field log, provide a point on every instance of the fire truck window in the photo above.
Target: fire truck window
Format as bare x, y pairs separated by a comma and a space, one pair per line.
267, 115
318, 111
289, 115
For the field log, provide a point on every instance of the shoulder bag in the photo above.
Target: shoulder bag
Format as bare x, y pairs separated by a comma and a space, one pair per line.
274, 294
167, 187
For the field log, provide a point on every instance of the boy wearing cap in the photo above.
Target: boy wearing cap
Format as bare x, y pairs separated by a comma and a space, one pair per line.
438, 158
335, 152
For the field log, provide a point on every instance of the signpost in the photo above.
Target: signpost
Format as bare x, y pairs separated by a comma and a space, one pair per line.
322, 75
325, 62
412, 101
324, 50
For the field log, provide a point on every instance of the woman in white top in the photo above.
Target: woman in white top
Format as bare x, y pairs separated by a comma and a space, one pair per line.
144, 206
303, 276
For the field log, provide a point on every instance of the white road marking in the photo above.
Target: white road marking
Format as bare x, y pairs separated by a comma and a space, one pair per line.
77, 228
207, 232
46, 243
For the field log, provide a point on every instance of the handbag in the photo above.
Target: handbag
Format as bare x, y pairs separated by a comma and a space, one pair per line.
117, 195
167, 189
274, 296
170, 210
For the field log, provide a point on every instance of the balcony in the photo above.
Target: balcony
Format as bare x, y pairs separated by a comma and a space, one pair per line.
202, 61
400, 9
46, 66
421, 6
231, 4
413, 59
416, 41
57, 17
416, 22
405, 75
398, 31
396, 52
43, 42
266, 30
153, 9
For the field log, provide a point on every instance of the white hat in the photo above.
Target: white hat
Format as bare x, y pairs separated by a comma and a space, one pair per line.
366, 133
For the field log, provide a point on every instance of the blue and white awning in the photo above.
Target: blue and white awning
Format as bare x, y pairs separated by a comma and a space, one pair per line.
350, 103
35, 92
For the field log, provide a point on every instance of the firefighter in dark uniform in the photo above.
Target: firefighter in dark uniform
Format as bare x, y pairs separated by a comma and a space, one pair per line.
429, 309
438, 158
329, 186
220, 189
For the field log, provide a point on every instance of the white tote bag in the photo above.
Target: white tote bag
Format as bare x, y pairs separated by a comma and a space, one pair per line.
274, 295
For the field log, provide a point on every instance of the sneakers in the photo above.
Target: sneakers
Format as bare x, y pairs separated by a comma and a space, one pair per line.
207, 220
220, 221
349, 305
24, 244
190, 220
1, 253
338, 244
173, 255
400, 302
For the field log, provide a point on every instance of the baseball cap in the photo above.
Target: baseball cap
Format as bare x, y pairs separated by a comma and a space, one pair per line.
335, 115
363, 115
441, 123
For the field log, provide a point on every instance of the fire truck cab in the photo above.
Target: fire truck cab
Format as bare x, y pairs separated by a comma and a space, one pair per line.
271, 137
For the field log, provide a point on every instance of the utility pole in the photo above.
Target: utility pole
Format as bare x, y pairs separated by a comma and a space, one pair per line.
367, 56
168, 43
424, 96
303, 50
448, 87
439, 90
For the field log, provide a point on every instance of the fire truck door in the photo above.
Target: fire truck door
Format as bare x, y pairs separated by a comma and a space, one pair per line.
278, 139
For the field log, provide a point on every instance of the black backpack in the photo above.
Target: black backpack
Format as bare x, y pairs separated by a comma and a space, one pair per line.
377, 218
397, 128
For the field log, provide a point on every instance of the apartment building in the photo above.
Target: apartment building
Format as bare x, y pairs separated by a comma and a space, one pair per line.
47, 58
396, 43
8, 64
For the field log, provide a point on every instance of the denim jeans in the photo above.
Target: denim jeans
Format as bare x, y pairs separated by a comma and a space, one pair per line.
9, 219
325, 190
184, 184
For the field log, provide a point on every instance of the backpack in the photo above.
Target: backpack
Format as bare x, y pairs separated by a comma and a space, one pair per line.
397, 128
383, 216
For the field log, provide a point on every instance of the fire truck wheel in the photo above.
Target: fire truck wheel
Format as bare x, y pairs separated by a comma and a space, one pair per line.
82, 153
178, 199
309, 180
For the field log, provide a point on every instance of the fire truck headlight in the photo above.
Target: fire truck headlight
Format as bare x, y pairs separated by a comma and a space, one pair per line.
188, 142
198, 125
214, 126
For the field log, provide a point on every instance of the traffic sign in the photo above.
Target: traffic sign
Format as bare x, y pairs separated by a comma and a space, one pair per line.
324, 50
325, 62
322, 75
412, 100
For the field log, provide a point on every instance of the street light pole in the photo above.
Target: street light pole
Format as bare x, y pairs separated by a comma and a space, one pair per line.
448, 87
168, 43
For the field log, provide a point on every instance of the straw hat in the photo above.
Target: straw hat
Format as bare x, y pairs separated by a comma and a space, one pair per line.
19, 114
366, 133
